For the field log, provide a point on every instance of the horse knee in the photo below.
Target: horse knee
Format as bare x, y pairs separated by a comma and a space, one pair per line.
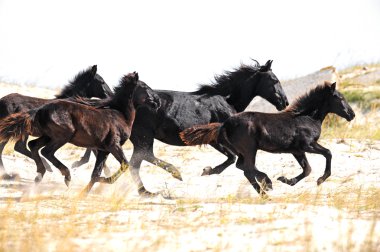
240, 162
31, 145
307, 171
328, 154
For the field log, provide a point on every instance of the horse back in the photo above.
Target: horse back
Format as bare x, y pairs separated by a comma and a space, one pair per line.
14, 103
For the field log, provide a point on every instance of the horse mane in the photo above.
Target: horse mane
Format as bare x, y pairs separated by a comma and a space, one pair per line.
120, 92
76, 83
308, 102
225, 83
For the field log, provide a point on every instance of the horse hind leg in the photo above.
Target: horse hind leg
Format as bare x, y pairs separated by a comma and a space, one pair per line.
34, 146
136, 159
48, 152
306, 169
3, 174
20, 147
231, 158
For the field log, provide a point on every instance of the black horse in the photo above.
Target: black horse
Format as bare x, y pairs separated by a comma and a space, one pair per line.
85, 84
105, 128
231, 93
295, 130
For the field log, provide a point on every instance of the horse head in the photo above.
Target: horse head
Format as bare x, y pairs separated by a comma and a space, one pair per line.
337, 103
269, 87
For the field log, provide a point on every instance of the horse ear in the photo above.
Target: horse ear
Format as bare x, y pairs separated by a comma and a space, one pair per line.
267, 66
94, 68
136, 74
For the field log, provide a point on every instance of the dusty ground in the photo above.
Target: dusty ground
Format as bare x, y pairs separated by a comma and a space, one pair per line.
215, 213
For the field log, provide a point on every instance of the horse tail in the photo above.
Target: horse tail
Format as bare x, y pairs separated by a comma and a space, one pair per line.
15, 126
201, 134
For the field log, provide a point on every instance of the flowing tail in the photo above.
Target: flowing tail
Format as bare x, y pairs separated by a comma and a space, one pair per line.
15, 126
201, 134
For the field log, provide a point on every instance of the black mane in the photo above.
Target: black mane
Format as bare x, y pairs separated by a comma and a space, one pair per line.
225, 83
309, 102
120, 92
78, 83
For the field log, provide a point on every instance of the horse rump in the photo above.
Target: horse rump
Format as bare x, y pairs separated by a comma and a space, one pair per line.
15, 126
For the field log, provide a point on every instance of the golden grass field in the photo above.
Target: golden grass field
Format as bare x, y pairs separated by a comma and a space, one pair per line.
214, 213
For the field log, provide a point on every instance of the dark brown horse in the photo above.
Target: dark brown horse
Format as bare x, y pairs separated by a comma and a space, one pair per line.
85, 84
105, 128
296, 130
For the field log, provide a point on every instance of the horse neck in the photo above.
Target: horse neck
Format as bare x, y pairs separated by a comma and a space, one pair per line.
240, 100
320, 113
124, 104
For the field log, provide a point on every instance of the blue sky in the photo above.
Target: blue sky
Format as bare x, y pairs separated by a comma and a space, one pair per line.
179, 44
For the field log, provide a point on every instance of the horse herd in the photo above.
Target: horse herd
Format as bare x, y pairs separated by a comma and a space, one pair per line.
211, 115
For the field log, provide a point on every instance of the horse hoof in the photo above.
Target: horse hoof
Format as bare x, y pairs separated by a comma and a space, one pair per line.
67, 181
207, 171
38, 178
83, 193
146, 194
10, 177
320, 181
178, 176
268, 187
76, 164
282, 179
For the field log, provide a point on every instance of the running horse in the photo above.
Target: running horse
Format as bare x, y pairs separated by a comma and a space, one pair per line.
295, 130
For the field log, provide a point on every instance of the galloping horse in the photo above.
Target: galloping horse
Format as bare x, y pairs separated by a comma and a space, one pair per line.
231, 93
85, 84
105, 128
296, 130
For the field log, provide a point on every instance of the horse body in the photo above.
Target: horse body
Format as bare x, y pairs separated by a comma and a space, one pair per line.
85, 84
66, 117
296, 130
276, 133
230, 94
178, 111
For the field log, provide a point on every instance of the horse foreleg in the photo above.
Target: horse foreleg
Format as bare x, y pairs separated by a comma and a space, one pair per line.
101, 158
306, 169
118, 153
251, 176
319, 149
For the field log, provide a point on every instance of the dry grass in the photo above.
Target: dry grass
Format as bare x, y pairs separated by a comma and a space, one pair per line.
66, 223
